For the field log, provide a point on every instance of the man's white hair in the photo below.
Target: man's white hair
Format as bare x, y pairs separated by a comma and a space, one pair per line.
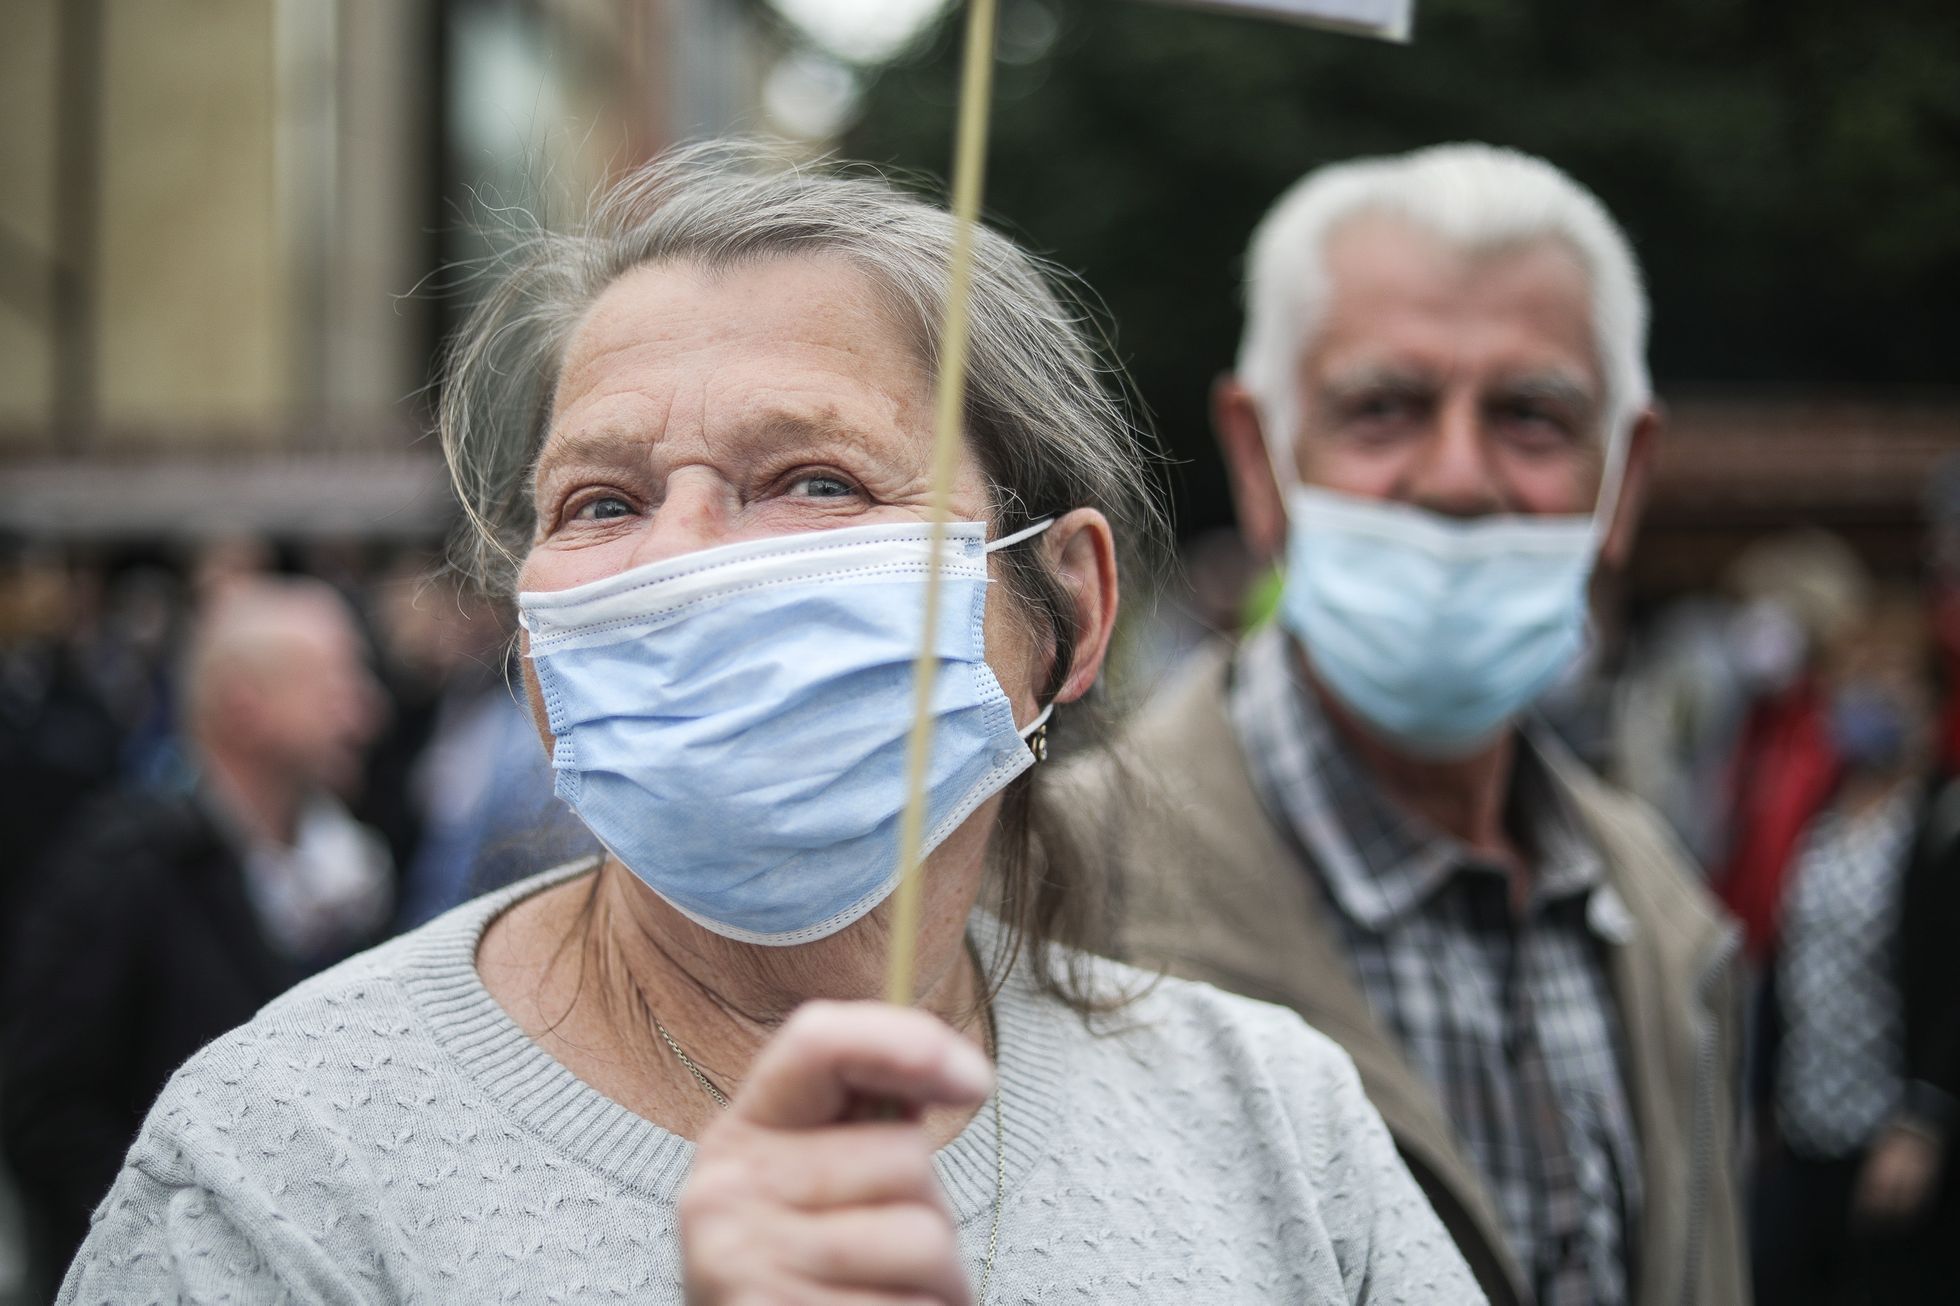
1477, 199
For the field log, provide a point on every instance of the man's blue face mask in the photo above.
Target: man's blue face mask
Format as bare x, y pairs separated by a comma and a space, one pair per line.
732, 723
1438, 631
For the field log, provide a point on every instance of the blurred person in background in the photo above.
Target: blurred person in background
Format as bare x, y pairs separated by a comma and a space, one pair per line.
1441, 419
479, 789
695, 438
1800, 594
1719, 723
1676, 710
1858, 1073
61, 735
166, 918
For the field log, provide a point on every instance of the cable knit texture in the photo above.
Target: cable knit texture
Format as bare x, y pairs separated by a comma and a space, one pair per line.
386, 1133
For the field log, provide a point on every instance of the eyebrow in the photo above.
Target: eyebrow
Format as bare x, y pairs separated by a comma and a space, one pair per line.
1556, 387
614, 446
603, 445
1374, 376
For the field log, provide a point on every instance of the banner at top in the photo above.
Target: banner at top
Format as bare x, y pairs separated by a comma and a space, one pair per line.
1391, 20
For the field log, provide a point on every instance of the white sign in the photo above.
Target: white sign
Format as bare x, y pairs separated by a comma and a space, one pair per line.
1390, 20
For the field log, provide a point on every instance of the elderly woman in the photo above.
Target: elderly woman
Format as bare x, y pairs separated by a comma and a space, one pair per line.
699, 435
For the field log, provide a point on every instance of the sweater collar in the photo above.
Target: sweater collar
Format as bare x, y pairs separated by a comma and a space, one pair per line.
540, 1096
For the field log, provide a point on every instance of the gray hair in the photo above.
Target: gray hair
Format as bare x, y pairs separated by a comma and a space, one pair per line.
1478, 198
1043, 418
1047, 419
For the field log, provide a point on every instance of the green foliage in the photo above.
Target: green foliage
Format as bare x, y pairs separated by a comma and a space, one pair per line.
1789, 170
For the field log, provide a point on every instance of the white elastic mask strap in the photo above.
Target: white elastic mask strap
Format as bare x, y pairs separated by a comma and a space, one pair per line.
1040, 720
1025, 533
1612, 479
1276, 433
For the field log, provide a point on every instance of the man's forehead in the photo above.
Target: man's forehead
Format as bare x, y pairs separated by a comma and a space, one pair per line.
1402, 298
1375, 243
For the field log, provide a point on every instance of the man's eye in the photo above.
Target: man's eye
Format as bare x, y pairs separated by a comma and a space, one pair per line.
1531, 415
605, 508
1534, 426
821, 485
1381, 408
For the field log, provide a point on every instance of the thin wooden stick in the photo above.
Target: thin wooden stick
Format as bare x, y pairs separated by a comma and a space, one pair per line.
969, 167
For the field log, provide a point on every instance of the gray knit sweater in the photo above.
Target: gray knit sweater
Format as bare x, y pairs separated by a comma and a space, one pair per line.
386, 1133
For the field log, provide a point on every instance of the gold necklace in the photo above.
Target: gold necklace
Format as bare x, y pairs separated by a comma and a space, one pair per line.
1000, 1137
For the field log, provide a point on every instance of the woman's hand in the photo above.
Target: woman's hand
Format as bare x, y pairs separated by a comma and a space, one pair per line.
797, 1196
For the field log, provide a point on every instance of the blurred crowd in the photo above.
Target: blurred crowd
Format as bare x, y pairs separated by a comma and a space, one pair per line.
325, 745
347, 729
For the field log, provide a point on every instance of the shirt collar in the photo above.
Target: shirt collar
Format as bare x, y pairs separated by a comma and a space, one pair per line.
1378, 861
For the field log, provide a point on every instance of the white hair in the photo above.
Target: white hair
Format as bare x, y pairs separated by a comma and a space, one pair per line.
1477, 199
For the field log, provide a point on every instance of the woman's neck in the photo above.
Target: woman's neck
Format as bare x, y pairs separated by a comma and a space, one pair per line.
587, 969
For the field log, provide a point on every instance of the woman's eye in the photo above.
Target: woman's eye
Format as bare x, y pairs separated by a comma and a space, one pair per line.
605, 508
821, 485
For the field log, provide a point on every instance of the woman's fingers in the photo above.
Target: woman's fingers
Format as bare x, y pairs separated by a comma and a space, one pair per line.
795, 1198
830, 1054
859, 1164
897, 1247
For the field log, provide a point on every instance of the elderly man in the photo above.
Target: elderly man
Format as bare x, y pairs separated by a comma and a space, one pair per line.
169, 918
1441, 422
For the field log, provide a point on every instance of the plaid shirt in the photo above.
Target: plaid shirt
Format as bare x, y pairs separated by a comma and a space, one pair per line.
1507, 1015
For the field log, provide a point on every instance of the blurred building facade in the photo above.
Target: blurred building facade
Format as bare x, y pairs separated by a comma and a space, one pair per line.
1736, 466
224, 222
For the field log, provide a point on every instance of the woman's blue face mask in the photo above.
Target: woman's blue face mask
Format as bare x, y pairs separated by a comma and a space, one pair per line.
732, 723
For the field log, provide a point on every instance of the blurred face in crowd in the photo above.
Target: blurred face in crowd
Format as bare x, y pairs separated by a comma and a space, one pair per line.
294, 693
697, 409
1883, 711
1464, 384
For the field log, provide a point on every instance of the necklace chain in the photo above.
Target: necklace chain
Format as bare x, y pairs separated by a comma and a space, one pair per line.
1000, 1137
721, 1098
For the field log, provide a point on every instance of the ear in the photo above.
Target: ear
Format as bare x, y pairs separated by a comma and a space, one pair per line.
1255, 492
1642, 441
1084, 552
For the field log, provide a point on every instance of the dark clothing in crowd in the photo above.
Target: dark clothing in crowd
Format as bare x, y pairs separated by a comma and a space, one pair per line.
1809, 1250
1883, 1065
59, 745
140, 947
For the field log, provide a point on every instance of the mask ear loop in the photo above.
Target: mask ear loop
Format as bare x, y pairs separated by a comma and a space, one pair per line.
1025, 533
1612, 481
1035, 733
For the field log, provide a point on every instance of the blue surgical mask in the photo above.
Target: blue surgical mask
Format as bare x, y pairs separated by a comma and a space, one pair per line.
732, 724
1437, 631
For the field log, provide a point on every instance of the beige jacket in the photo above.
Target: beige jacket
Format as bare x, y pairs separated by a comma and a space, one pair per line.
1212, 890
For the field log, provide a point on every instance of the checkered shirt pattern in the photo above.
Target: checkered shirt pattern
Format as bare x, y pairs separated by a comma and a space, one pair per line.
1509, 1018
1840, 1067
